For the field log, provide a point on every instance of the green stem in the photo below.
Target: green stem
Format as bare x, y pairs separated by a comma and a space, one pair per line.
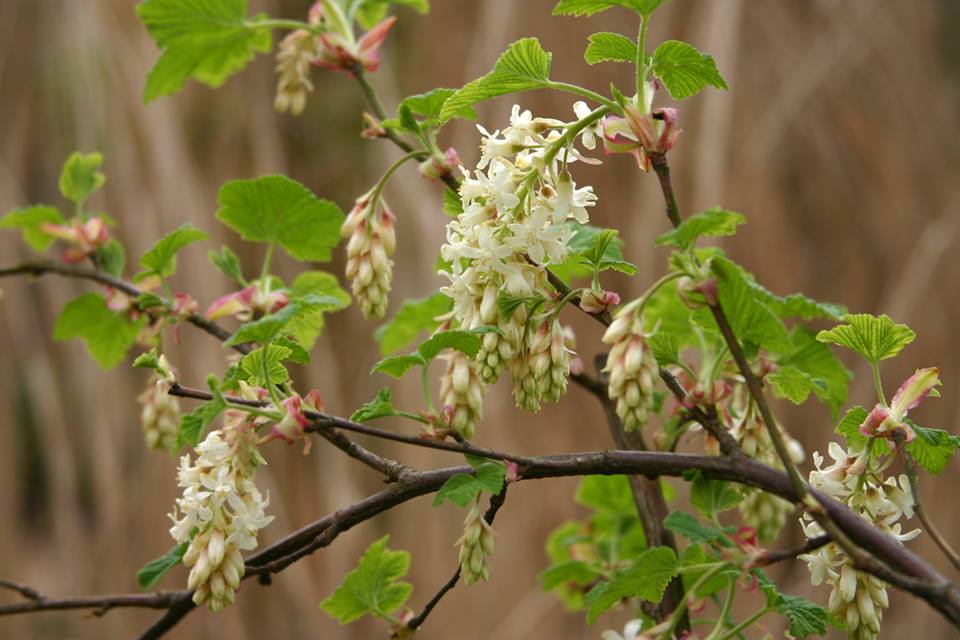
681, 609
378, 189
724, 613
746, 623
585, 93
265, 269
877, 383
292, 25
572, 131
425, 381
642, 63
641, 302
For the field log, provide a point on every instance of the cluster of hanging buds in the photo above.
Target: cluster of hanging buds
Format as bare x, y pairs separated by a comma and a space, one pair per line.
461, 393
83, 238
372, 240
160, 412
252, 301
631, 367
476, 544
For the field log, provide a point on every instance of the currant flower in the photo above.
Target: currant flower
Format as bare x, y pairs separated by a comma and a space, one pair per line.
461, 393
884, 421
631, 367
294, 57
159, 415
476, 544
370, 228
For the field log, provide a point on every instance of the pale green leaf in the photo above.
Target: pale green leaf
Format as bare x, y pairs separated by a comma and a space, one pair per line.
811, 366
279, 210
876, 338
693, 530
151, 572
370, 12
590, 7
711, 497
161, 260
228, 263
646, 579
713, 222
380, 407
397, 366
372, 587
684, 70
462, 489
523, 66
207, 40
610, 47
81, 176
306, 327
108, 335
413, 318
265, 329
932, 448
112, 257
28, 220
252, 365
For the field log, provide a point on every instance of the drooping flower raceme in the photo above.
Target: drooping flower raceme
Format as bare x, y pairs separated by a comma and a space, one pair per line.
220, 511
372, 239
476, 544
461, 393
160, 415
516, 209
856, 479
632, 368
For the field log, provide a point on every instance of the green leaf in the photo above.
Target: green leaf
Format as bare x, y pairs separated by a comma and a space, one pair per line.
684, 70
148, 360
523, 66
379, 407
452, 205
430, 104
590, 7
665, 347
413, 318
610, 47
81, 176
151, 572
932, 448
298, 354
575, 571
207, 40
372, 587
806, 618
279, 210
462, 489
711, 497
582, 242
251, 366
811, 366
713, 222
752, 321
693, 530
370, 12
112, 257
647, 578
876, 338
306, 327
849, 427
397, 366
194, 424
161, 260
108, 335
609, 494
467, 342
268, 327
228, 263
28, 220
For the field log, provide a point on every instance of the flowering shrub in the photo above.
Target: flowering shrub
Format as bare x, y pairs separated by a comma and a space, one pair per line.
692, 360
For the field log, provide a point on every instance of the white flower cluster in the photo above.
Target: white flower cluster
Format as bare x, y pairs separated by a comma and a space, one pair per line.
516, 209
220, 513
294, 56
160, 415
632, 368
856, 479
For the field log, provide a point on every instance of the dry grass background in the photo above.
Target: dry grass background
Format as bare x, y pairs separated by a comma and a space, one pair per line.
838, 139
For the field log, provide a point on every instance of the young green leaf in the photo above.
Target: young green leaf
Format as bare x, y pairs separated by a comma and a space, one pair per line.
713, 222
81, 176
572, 571
684, 70
465, 341
875, 338
279, 210
811, 366
523, 66
462, 489
397, 366
370, 12
665, 347
646, 579
251, 366
206, 41
932, 448
228, 263
269, 327
372, 587
108, 335
805, 617
582, 242
112, 257
693, 530
793, 384
429, 105
849, 427
194, 424
452, 205
151, 572
711, 497
610, 47
609, 494
380, 407
306, 327
590, 7
413, 318
148, 360
28, 220
161, 260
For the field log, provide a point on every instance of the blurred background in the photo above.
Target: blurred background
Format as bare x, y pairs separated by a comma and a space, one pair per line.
838, 139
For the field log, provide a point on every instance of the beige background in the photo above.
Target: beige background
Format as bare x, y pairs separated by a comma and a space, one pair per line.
838, 139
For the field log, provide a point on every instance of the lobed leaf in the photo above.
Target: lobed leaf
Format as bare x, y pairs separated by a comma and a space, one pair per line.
713, 222
684, 70
380, 407
81, 176
373, 586
610, 47
108, 335
875, 338
646, 579
228, 263
161, 259
413, 318
590, 7
28, 220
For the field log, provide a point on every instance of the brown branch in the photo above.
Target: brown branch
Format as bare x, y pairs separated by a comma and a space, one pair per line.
99, 604
496, 501
918, 508
771, 557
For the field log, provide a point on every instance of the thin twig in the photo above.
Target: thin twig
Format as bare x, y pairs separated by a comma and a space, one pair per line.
772, 557
99, 604
496, 501
918, 508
